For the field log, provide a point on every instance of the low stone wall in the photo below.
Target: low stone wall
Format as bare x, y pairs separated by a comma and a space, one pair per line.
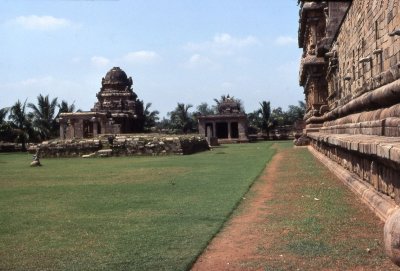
122, 145
10, 147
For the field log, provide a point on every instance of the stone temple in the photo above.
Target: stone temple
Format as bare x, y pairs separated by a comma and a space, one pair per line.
229, 125
117, 111
350, 71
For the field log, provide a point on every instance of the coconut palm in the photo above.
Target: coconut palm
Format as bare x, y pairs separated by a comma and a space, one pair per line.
181, 119
5, 127
3, 114
64, 107
150, 117
44, 117
20, 123
204, 109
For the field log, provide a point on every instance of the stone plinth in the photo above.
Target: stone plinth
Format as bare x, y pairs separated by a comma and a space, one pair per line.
123, 145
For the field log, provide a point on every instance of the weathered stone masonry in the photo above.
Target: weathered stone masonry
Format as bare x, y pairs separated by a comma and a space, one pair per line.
351, 78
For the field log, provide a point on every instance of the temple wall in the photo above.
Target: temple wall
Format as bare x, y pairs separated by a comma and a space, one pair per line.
357, 125
368, 56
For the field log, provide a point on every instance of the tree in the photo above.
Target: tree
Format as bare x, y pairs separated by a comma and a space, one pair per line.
3, 114
220, 108
222, 99
5, 127
278, 117
64, 107
265, 112
150, 117
43, 116
289, 117
164, 125
255, 121
204, 109
295, 113
181, 119
20, 123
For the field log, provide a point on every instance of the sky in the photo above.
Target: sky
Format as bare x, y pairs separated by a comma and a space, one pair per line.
186, 51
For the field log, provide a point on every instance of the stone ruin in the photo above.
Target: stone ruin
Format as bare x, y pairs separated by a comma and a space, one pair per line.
350, 71
228, 125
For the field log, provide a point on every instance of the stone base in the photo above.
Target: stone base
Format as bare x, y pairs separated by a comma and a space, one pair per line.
382, 205
303, 140
123, 145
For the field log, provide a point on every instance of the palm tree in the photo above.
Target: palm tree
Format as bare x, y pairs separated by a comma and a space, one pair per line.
203, 110
150, 117
265, 112
20, 123
181, 118
64, 107
222, 99
219, 107
3, 114
5, 127
43, 116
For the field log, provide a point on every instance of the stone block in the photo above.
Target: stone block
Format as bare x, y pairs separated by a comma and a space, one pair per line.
383, 150
394, 153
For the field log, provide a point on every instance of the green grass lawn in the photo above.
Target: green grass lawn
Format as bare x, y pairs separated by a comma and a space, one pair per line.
127, 213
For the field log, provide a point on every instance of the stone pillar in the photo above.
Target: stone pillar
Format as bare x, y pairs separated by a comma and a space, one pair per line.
214, 129
78, 127
95, 128
209, 133
202, 130
71, 129
229, 130
242, 129
62, 130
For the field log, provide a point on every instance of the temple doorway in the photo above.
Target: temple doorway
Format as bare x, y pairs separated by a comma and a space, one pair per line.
87, 128
222, 130
234, 130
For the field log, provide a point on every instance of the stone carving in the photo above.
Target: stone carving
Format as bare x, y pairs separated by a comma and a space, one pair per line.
36, 161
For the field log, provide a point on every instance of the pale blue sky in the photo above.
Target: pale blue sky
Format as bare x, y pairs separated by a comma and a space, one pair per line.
188, 51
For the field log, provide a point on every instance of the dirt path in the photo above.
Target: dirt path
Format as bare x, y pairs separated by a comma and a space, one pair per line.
298, 216
243, 236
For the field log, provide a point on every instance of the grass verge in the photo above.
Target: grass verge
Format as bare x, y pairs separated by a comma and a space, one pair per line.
141, 213
316, 223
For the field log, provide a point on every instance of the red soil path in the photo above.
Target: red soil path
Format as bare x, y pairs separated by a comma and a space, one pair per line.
240, 239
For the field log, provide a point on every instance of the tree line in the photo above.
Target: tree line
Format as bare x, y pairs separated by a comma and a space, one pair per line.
25, 122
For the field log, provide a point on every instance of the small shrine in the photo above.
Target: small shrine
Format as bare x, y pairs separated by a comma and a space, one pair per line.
228, 125
117, 111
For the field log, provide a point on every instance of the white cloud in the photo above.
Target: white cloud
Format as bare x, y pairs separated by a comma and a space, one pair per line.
35, 82
224, 44
141, 57
227, 40
199, 61
100, 61
285, 40
34, 22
